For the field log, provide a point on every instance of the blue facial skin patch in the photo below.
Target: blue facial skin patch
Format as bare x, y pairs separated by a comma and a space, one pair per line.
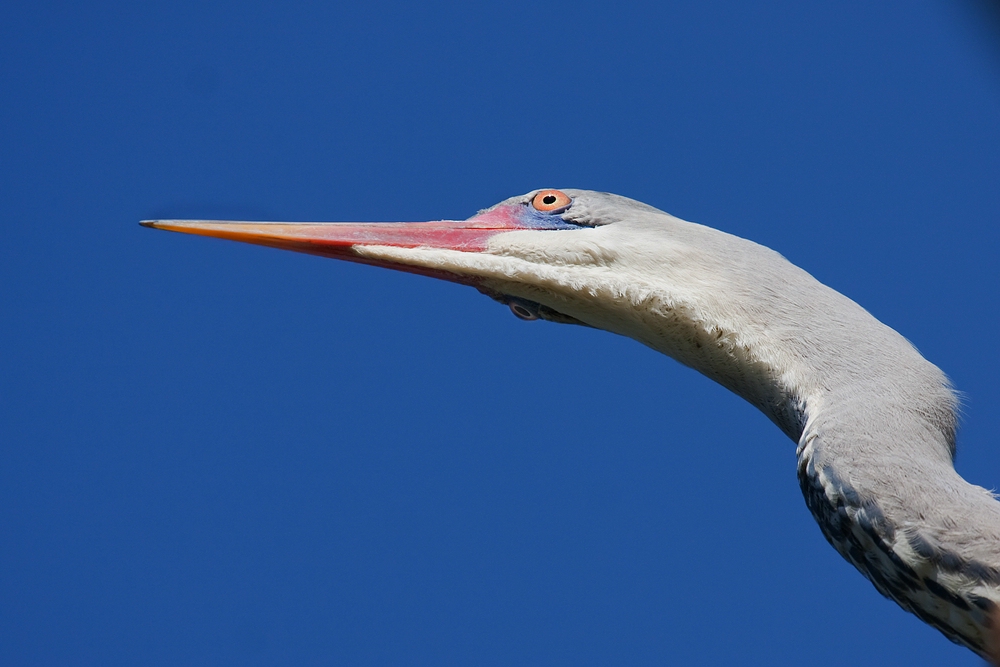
532, 218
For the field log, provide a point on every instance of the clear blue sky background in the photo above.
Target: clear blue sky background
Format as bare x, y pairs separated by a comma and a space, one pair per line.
228, 455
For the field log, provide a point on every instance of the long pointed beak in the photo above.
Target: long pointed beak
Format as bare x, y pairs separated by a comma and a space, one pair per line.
340, 239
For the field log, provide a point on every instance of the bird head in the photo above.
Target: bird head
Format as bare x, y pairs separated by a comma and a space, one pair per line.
548, 254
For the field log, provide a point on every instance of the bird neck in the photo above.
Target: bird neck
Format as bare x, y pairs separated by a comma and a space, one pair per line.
875, 427
874, 421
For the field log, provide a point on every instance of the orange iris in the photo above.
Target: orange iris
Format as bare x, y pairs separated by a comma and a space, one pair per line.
551, 200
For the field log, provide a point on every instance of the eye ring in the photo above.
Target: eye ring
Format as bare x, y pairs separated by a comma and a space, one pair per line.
523, 309
550, 201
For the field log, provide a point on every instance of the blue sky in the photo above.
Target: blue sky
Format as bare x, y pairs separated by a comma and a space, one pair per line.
228, 455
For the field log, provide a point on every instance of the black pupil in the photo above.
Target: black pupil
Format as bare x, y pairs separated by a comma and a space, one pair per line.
548, 200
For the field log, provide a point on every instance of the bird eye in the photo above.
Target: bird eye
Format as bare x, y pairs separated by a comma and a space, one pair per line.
524, 310
551, 200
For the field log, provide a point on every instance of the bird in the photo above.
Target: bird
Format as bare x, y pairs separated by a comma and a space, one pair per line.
873, 421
